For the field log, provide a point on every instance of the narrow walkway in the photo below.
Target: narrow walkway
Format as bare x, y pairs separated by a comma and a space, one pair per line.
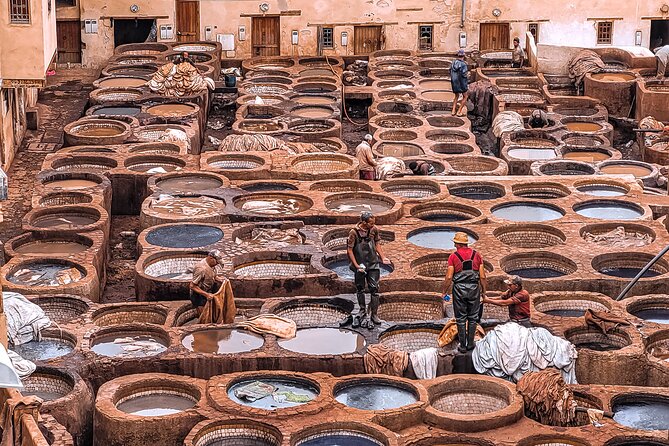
62, 101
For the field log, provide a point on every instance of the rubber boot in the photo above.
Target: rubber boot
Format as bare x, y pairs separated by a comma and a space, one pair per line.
348, 320
361, 317
462, 338
471, 334
374, 309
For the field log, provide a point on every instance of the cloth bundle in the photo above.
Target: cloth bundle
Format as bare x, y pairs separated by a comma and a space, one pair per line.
586, 61
221, 309
507, 121
389, 167
602, 321
178, 80
265, 143
25, 320
619, 238
382, 359
272, 324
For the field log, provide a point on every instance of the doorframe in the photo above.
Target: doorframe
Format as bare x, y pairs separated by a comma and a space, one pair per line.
277, 17
176, 19
78, 21
508, 26
369, 25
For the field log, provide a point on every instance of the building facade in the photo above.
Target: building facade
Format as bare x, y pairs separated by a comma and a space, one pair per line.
306, 27
27, 48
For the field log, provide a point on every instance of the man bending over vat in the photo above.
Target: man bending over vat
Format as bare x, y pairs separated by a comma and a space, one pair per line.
516, 298
205, 283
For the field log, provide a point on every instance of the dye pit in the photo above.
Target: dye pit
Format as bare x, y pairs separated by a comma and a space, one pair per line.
157, 405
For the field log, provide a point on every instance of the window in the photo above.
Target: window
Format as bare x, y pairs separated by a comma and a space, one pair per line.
66, 3
425, 38
604, 33
327, 38
533, 28
19, 11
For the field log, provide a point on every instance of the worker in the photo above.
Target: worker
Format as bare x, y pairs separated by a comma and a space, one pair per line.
364, 252
422, 168
366, 158
517, 54
516, 298
662, 56
460, 84
187, 59
538, 119
466, 277
205, 283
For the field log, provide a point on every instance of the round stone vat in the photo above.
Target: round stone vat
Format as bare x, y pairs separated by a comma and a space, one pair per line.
83, 162
185, 315
445, 121
335, 239
270, 235
267, 79
592, 339
169, 110
62, 308
67, 218
602, 188
314, 100
351, 434
587, 154
626, 265
134, 59
571, 304
562, 167
273, 204
265, 126
268, 63
320, 61
444, 96
172, 267
236, 162
274, 264
643, 411
531, 153
398, 149
609, 210
120, 82
311, 129
155, 148
249, 88
657, 345
585, 141
538, 265
114, 110
477, 165
396, 95
324, 341
315, 312
530, 236
540, 190
447, 136
477, 191
196, 47
395, 84
186, 235
435, 84
152, 164
653, 308
144, 70
117, 95
356, 202
435, 265
527, 211
340, 265
616, 90
127, 341
315, 88
233, 432
45, 272
577, 126
459, 149
645, 172
55, 344
316, 72
181, 135
397, 135
444, 212
197, 57
341, 186
268, 99
394, 107
313, 111
395, 122
390, 75
267, 186
192, 208
317, 165
411, 337
533, 139
376, 393
169, 403
187, 182
41, 244
472, 404
71, 181
456, 440
271, 391
636, 441
150, 48
411, 189
129, 314
410, 307
222, 341
618, 235
552, 440
439, 237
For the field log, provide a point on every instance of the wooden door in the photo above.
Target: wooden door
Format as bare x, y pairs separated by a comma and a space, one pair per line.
68, 36
367, 39
266, 36
494, 36
188, 20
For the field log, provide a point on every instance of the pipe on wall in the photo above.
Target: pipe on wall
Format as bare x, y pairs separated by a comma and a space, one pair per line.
462, 17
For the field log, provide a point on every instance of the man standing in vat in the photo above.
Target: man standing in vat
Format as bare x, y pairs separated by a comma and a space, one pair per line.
364, 251
366, 158
460, 84
466, 277
517, 54
516, 298
205, 282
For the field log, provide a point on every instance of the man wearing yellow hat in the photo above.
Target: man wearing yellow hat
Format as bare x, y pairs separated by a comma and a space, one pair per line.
466, 277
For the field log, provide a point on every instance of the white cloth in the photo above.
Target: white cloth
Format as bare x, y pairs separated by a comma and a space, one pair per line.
388, 167
507, 121
424, 363
511, 350
25, 320
22, 366
662, 54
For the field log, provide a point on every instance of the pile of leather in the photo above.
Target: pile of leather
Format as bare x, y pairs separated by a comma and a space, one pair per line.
179, 80
548, 399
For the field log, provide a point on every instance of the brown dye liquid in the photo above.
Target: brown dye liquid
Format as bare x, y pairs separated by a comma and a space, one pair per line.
222, 341
613, 77
324, 341
122, 82
583, 126
260, 127
312, 112
316, 72
50, 248
586, 156
72, 184
188, 184
171, 110
99, 131
63, 221
442, 96
357, 205
621, 169
314, 100
194, 206
436, 85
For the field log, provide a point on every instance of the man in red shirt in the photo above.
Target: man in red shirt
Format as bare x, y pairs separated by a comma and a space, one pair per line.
466, 276
517, 299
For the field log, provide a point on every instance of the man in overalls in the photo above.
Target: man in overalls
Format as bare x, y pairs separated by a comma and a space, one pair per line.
364, 251
466, 276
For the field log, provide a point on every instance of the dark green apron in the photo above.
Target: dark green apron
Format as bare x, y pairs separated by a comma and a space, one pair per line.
364, 251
